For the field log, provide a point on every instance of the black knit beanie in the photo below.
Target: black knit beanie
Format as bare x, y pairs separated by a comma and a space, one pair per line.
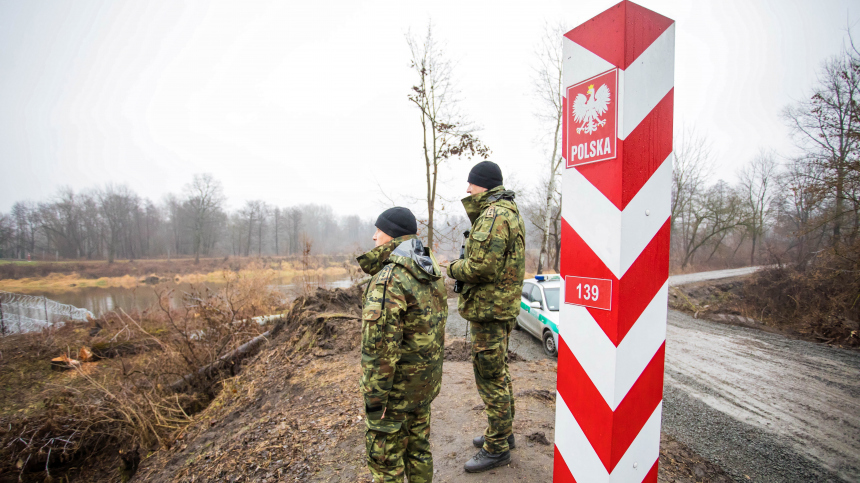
486, 174
397, 221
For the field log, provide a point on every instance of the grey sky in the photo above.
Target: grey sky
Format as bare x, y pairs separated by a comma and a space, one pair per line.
295, 102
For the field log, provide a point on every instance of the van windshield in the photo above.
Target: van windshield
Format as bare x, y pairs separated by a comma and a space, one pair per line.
551, 298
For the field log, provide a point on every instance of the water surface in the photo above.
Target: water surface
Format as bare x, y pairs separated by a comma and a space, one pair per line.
100, 300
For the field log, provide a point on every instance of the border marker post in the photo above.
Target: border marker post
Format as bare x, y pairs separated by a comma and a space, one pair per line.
616, 188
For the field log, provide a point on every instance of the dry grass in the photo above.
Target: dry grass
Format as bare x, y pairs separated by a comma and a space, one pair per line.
284, 272
163, 269
57, 282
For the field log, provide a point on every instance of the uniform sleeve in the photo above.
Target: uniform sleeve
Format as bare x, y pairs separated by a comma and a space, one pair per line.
382, 333
487, 246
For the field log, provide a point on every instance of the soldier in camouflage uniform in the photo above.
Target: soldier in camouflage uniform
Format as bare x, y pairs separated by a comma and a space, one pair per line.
493, 270
402, 346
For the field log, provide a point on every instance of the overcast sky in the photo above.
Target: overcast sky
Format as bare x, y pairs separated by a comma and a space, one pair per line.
298, 102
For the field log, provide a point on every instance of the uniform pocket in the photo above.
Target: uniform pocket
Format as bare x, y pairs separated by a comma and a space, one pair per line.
380, 439
371, 313
488, 359
477, 251
371, 332
480, 235
374, 443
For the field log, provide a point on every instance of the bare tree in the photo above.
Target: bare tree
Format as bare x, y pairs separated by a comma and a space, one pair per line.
7, 232
802, 208
294, 229
446, 131
91, 226
261, 224
116, 205
708, 218
693, 167
827, 129
276, 216
63, 221
254, 212
204, 198
758, 189
549, 90
26, 222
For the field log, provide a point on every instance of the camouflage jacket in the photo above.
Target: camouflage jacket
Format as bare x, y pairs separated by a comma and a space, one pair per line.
494, 265
402, 331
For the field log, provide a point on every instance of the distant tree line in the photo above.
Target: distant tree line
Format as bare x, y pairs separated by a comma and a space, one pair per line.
115, 222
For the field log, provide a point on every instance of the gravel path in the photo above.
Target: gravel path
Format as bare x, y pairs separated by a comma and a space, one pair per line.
712, 275
523, 343
762, 406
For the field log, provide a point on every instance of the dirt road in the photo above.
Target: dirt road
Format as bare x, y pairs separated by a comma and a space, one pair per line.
762, 405
712, 275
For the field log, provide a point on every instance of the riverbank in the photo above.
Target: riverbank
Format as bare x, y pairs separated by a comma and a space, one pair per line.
58, 277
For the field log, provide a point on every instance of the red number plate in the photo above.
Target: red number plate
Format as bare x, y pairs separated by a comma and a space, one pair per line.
588, 292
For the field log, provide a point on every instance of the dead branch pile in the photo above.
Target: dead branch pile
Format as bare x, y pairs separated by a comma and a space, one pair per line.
75, 425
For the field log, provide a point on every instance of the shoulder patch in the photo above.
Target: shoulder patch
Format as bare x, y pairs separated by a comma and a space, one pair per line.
385, 274
491, 212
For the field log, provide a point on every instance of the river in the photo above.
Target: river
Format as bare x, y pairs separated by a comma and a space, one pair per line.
100, 300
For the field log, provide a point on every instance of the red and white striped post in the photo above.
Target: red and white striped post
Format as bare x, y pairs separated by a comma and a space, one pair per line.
619, 79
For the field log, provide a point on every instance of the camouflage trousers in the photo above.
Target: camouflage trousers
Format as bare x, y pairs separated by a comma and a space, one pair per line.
398, 448
490, 362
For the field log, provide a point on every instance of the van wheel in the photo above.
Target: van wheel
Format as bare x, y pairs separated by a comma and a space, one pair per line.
549, 347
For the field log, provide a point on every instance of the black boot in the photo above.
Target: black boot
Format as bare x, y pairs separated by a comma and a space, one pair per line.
479, 441
484, 461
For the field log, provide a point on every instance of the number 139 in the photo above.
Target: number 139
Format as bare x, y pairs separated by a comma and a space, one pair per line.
591, 292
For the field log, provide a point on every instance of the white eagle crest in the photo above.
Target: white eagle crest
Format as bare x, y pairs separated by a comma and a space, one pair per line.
587, 111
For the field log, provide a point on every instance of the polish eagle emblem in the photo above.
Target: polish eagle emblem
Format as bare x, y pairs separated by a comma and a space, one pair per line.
588, 110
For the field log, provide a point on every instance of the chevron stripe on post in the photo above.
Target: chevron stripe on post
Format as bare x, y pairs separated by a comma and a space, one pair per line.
619, 80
